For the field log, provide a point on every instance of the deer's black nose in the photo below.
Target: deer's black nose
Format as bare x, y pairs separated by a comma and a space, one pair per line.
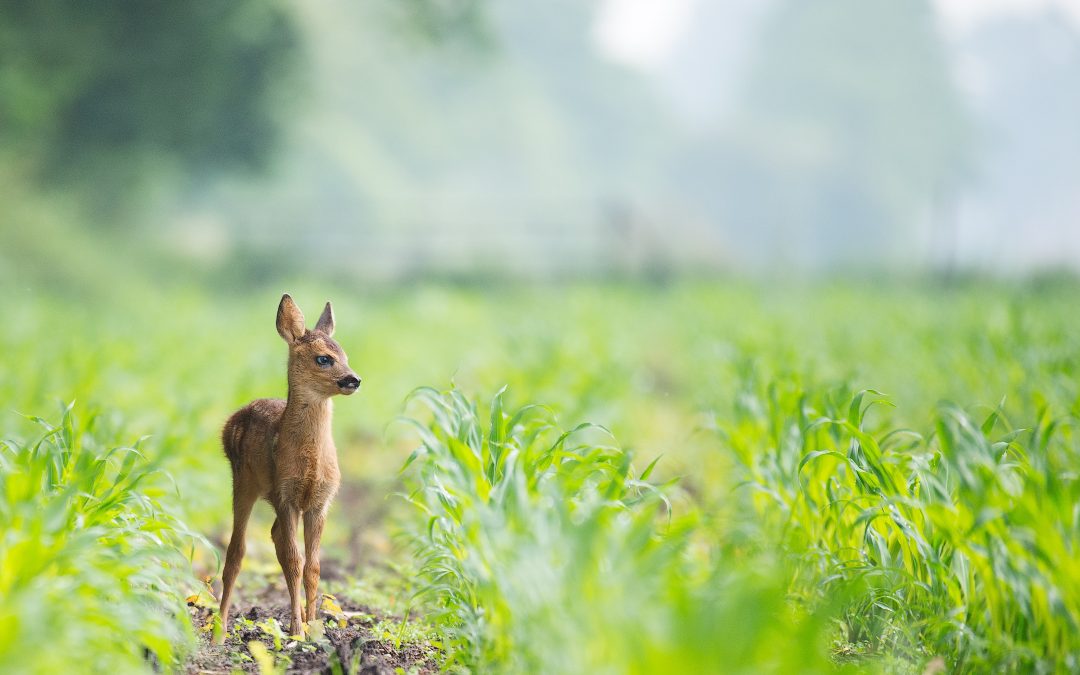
350, 382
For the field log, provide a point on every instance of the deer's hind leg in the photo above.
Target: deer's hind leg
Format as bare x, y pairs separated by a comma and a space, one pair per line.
244, 498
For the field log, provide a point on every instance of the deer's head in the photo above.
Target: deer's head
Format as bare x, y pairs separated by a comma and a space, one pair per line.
318, 366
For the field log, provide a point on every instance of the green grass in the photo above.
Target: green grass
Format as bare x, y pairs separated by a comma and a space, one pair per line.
817, 532
548, 553
92, 565
959, 541
545, 551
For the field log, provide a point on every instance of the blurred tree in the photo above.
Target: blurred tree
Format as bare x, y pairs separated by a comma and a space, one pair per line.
108, 97
440, 21
418, 157
849, 129
93, 91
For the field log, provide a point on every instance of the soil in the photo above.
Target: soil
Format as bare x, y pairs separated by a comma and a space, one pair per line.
353, 648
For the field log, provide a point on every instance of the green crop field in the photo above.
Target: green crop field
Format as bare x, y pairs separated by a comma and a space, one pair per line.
598, 477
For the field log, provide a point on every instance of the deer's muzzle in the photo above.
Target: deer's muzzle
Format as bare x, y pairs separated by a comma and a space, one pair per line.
348, 384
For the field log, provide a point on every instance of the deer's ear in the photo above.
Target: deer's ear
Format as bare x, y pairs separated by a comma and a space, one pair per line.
326, 321
290, 320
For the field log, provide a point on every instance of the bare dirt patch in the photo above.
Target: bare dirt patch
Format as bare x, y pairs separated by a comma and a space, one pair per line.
349, 648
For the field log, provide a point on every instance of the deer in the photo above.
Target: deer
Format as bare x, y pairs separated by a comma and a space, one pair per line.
283, 452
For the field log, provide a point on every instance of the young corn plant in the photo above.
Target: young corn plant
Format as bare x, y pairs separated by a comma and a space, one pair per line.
961, 543
545, 552
92, 567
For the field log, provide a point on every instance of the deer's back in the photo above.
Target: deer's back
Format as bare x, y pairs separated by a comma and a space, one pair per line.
248, 439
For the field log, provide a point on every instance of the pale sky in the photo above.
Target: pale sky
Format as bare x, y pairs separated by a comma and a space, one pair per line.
649, 34
962, 15
643, 33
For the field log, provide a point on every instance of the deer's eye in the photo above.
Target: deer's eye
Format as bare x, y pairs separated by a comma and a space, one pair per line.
323, 360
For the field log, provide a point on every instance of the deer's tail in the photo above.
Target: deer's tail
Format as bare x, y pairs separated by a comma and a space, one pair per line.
232, 436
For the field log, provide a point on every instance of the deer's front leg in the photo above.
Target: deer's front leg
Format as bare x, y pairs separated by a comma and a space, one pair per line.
288, 554
314, 519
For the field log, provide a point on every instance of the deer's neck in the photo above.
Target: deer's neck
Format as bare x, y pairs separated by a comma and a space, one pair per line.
306, 420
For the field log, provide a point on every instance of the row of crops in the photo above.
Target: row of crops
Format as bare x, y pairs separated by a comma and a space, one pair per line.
547, 552
689, 478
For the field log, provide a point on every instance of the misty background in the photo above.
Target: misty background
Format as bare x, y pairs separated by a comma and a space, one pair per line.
388, 141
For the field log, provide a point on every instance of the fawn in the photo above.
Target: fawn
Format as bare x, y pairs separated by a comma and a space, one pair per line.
282, 451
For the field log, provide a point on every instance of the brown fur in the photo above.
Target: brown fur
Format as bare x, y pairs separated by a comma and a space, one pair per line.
283, 452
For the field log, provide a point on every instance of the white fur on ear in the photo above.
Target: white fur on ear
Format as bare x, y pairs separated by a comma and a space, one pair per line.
326, 321
290, 320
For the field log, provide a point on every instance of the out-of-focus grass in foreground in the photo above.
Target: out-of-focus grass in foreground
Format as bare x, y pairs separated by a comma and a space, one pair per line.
93, 567
546, 552
958, 540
